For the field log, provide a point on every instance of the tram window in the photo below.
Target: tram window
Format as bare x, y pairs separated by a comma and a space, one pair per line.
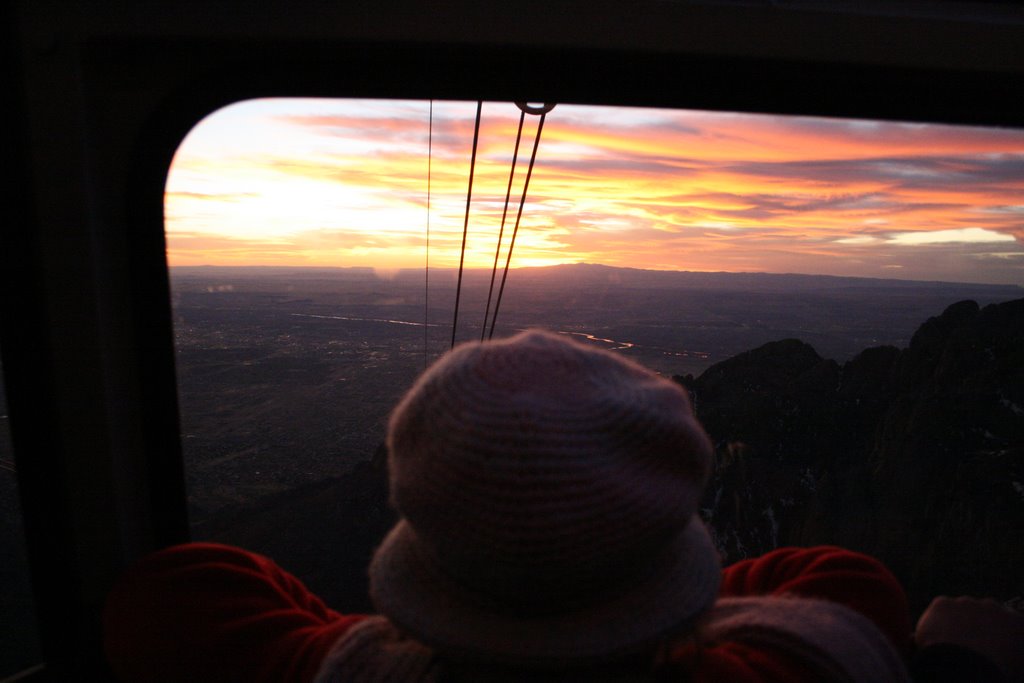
314, 247
19, 648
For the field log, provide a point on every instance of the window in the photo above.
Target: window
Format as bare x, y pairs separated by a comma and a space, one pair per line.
298, 233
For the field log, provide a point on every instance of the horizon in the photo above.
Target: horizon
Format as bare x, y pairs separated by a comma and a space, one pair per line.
387, 273
344, 183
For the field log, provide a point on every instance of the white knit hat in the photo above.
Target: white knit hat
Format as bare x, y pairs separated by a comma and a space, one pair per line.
548, 492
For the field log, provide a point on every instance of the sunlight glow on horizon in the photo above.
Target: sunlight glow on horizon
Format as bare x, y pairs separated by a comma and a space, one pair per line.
311, 182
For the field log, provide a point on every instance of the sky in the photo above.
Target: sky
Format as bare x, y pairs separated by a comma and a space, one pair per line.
320, 182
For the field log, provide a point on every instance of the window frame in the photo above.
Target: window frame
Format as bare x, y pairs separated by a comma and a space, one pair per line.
102, 98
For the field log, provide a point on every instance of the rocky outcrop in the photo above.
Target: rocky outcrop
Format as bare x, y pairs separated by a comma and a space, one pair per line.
914, 455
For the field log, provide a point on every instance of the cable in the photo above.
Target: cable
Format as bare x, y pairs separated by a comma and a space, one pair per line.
426, 265
501, 232
465, 225
533, 157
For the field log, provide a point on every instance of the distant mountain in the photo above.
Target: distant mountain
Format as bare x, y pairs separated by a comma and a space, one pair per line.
586, 274
593, 274
914, 455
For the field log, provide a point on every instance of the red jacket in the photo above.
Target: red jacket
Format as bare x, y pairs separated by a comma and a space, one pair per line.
205, 611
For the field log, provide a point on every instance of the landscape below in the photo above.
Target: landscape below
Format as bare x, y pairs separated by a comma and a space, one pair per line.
907, 442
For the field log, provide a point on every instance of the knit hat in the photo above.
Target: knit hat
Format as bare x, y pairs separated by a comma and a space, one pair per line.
547, 492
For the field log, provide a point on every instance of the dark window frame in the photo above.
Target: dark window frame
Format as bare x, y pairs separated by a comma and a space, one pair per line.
100, 109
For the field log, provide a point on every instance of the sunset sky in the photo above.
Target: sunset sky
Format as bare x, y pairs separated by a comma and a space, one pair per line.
321, 182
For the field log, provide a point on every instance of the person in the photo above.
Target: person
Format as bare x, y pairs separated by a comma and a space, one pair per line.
968, 639
548, 530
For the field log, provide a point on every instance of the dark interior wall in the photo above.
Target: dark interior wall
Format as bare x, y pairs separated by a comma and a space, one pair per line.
102, 92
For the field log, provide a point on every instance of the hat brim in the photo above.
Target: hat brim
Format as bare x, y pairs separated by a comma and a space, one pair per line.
414, 593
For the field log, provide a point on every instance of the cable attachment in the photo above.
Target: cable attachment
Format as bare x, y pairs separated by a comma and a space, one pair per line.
535, 109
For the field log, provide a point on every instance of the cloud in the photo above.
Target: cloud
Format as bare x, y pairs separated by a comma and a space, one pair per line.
894, 171
963, 235
210, 196
347, 180
859, 239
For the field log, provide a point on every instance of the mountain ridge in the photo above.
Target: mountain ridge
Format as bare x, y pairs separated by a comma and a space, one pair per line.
911, 455
597, 272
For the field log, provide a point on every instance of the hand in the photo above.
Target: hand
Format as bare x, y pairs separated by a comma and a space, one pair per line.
982, 625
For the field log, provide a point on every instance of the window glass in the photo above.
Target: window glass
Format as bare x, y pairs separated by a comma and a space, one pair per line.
19, 648
315, 246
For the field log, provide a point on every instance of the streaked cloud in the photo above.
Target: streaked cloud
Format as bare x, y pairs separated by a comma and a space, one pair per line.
859, 239
961, 236
337, 182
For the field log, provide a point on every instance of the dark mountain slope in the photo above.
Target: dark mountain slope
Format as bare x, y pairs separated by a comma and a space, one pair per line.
324, 533
916, 456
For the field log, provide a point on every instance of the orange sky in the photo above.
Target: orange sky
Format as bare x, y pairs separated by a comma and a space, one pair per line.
344, 183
